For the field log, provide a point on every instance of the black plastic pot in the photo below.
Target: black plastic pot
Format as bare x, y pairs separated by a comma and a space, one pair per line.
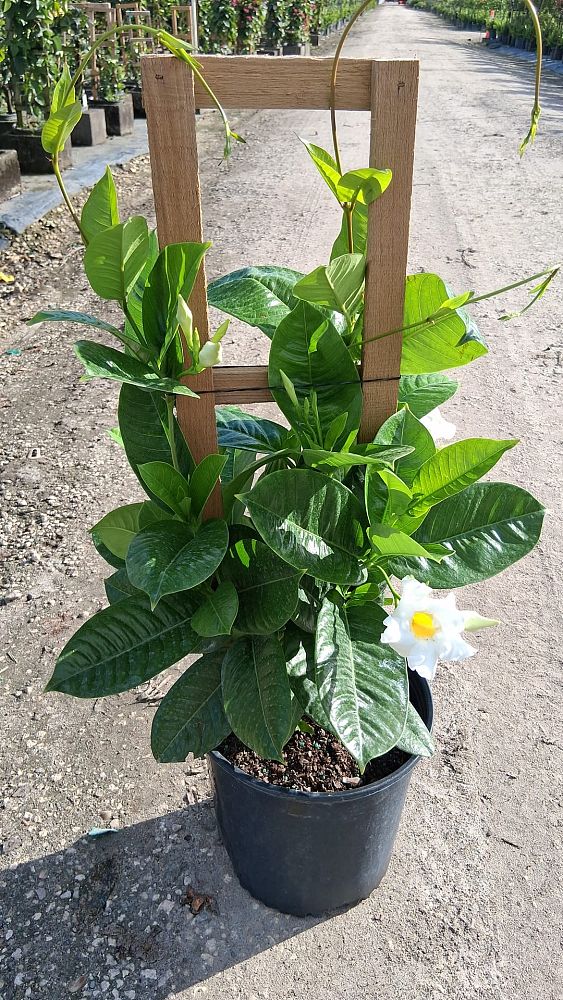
307, 853
119, 115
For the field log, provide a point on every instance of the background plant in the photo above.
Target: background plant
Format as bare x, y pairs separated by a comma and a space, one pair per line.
250, 24
277, 19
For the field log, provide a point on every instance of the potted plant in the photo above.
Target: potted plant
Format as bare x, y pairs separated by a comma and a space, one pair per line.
319, 603
31, 51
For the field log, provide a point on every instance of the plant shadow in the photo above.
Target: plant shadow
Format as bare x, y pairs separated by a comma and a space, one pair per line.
114, 915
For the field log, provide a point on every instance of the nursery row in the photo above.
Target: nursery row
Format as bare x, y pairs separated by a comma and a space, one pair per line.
506, 21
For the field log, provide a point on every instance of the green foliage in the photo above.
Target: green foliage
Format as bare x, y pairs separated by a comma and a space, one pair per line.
285, 595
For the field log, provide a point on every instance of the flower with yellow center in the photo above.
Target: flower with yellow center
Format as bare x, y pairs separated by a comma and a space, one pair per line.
425, 629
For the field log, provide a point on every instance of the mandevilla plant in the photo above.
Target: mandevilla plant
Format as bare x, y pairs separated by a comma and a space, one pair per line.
289, 599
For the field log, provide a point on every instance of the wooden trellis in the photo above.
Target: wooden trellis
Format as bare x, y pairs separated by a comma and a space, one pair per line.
183, 22
388, 90
101, 17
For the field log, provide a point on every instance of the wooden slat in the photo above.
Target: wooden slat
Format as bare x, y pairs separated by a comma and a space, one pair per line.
394, 88
170, 107
293, 82
242, 384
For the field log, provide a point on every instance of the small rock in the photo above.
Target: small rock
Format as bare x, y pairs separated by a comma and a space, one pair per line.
149, 973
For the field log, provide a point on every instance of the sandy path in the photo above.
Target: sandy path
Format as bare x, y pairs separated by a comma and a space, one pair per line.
471, 907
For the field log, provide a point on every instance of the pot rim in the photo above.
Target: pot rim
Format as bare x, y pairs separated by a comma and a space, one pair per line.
350, 794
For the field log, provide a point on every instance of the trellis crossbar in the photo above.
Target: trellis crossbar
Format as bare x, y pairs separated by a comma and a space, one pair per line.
388, 90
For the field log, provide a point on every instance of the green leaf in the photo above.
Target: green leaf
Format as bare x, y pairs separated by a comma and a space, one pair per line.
124, 646
167, 557
203, 480
329, 371
300, 658
58, 127
454, 468
312, 522
63, 92
423, 393
389, 542
163, 481
448, 342
173, 274
190, 718
104, 552
143, 422
359, 230
386, 496
402, 428
136, 293
115, 258
378, 456
486, 528
67, 316
118, 587
105, 362
415, 738
218, 612
325, 164
335, 286
100, 210
233, 474
259, 296
366, 185
363, 686
257, 695
267, 587
236, 429
118, 528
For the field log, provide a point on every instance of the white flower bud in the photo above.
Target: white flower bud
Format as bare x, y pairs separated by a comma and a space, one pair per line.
210, 354
185, 320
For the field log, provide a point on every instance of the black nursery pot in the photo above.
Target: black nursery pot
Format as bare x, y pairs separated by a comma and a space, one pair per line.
307, 853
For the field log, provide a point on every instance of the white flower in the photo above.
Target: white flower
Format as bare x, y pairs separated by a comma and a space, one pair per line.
210, 354
426, 629
440, 428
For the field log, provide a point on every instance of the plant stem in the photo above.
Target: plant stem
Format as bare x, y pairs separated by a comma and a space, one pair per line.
396, 596
64, 192
170, 401
334, 74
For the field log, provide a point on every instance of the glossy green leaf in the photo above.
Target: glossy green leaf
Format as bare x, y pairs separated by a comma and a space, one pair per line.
386, 496
329, 370
312, 522
190, 718
125, 645
234, 480
104, 552
59, 126
63, 92
267, 587
402, 428
67, 316
259, 296
105, 362
378, 456
325, 164
218, 611
300, 657
167, 557
257, 695
118, 587
173, 274
454, 468
163, 481
335, 286
448, 343
366, 185
115, 258
236, 429
486, 528
100, 210
143, 422
118, 528
390, 543
415, 738
363, 686
203, 480
137, 291
423, 393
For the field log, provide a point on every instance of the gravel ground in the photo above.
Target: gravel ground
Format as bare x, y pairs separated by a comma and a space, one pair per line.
471, 907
